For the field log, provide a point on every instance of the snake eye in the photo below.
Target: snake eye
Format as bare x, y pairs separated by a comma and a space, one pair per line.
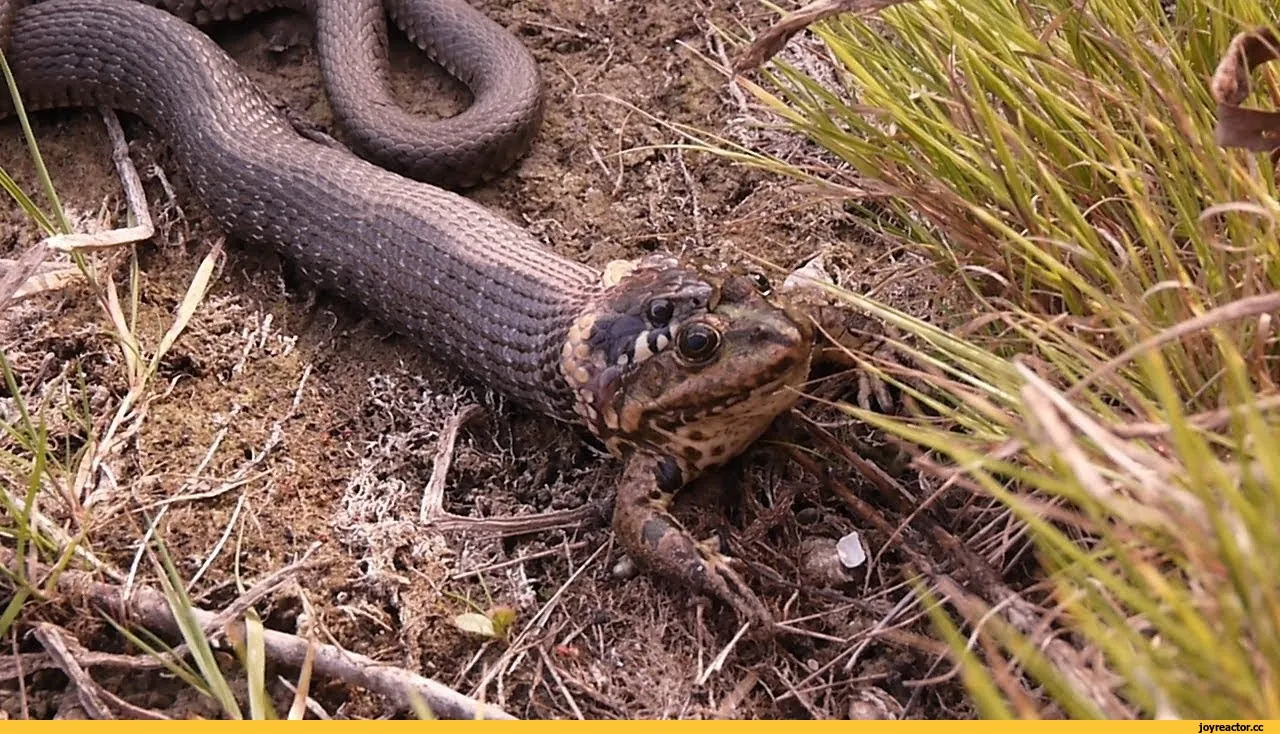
762, 283
698, 342
660, 311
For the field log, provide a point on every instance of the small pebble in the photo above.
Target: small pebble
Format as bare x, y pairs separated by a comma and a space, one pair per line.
850, 549
822, 564
625, 568
873, 704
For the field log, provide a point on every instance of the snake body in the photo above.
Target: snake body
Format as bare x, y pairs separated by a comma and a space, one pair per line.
675, 366
469, 284
461, 151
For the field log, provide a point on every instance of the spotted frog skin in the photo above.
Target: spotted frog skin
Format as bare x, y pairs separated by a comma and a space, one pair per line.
677, 369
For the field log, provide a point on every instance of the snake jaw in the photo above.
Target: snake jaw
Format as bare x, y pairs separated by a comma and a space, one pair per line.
678, 368
636, 387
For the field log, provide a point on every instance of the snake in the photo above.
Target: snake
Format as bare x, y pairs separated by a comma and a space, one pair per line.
675, 364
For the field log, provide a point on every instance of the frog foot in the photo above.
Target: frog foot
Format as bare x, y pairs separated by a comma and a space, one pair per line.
657, 541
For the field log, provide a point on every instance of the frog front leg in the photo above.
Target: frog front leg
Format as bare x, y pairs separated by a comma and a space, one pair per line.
656, 540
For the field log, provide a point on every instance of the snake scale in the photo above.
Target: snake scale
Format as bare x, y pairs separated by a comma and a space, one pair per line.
676, 366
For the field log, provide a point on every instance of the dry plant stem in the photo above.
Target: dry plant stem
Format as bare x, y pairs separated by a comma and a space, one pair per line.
1243, 308
890, 488
517, 561
717, 663
860, 507
310, 703
149, 608
504, 526
986, 581
433, 514
258, 591
1026, 618
20, 665
1021, 614
29, 275
66, 653
1241, 127
22, 683
132, 409
134, 197
433, 498
526, 640
62, 539
769, 43
1069, 661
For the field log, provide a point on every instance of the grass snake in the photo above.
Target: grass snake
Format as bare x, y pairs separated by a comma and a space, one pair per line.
676, 366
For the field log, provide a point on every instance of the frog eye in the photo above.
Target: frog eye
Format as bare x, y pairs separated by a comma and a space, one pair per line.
698, 343
762, 283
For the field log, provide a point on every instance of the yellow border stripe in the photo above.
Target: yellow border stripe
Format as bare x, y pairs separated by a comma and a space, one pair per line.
624, 727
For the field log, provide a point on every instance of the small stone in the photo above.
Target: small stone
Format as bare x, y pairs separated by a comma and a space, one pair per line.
822, 565
808, 516
850, 549
625, 568
873, 704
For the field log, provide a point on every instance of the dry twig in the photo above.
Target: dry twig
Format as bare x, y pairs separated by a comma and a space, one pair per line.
93, 698
149, 608
433, 514
769, 43
30, 274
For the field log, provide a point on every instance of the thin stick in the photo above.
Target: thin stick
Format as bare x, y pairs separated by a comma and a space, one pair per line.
88, 692
769, 43
148, 607
432, 513
433, 497
30, 274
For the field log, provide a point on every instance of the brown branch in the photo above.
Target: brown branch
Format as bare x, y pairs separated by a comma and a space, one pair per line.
432, 513
257, 592
433, 496
66, 652
769, 43
148, 607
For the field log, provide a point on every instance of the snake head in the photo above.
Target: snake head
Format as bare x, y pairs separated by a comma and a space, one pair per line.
685, 360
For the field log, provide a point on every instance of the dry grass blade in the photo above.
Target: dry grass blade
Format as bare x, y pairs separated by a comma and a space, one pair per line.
249, 642
15, 283
1113, 388
151, 608
1239, 127
130, 349
68, 656
259, 591
298, 710
1243, 308
195, 294
769, 43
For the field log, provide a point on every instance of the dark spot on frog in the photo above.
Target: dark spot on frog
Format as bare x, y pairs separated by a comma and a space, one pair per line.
668, 474
653, 532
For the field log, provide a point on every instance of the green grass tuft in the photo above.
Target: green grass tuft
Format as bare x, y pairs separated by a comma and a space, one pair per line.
1115, 385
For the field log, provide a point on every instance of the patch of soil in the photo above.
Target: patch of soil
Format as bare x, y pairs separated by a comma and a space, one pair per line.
286, 418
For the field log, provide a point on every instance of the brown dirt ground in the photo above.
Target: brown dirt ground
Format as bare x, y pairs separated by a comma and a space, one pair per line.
346, 467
